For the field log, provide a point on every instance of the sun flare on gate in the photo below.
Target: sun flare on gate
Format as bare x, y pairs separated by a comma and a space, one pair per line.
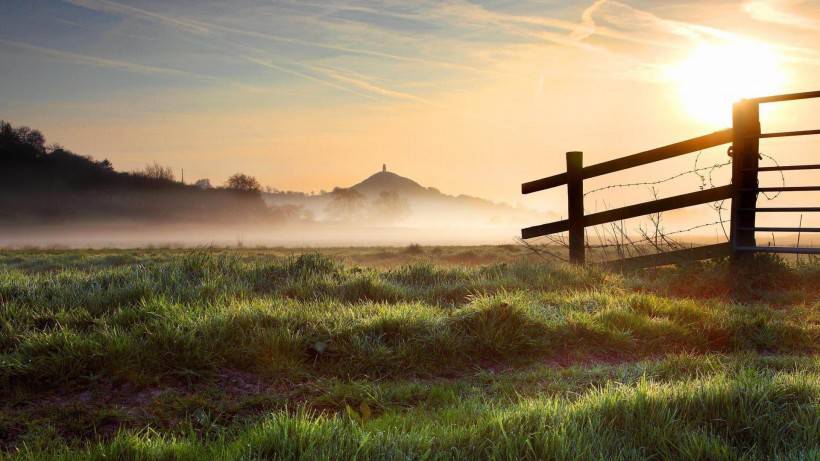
714, 76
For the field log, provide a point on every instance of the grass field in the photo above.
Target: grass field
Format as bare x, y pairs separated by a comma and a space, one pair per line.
403, 353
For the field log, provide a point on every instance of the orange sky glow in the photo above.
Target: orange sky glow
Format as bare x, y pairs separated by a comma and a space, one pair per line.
469, 97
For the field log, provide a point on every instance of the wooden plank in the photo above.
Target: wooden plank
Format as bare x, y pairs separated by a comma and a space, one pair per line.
632, 211
786, 97
796, 230
545, 229
792, 250
575, 204
783, 189
783, 134
745, 162
788, 168
544, 184
661, 153
792, 209
672, 257
657, 206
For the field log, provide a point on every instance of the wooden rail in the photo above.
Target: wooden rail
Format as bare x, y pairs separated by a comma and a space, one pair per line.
633, 211
784, 189
786, 97
795, 230
673, 257
792, 250
661, 153
783, 134
744, 135
786, 209
787, 168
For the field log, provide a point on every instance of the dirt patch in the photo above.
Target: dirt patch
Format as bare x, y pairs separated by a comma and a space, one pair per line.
102, 409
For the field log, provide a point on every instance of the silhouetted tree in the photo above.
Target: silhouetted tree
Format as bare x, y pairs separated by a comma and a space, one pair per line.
346, 204
243, 182
53, 184
23, 135
389, 206
53, 147
35, 139
157, 171
7, 131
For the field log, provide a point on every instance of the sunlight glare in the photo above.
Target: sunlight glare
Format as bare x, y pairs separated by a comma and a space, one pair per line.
716, 75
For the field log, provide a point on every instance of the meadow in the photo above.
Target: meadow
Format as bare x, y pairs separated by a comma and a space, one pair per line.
403, 353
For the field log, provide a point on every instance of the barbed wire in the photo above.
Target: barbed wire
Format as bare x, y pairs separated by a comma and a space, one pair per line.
540, 251
705, 180
708, 179
559, 240
679, 231
705, 176
782, 178
661, 181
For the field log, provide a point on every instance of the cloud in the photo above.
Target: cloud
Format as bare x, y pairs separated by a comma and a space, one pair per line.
645, 27
190, 25
113, 7
304, 75
335, 76
775, 12
362, 82
578, 31
339, 79
100, 62
587, 27
460, 30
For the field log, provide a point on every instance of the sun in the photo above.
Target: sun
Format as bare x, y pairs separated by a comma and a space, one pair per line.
714, 76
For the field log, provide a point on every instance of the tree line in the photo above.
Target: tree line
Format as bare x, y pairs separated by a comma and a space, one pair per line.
36, 141
41, 181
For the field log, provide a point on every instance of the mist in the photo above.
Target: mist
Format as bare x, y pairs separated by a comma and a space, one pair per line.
140, 235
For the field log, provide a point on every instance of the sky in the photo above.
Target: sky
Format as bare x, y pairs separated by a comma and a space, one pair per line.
471, 97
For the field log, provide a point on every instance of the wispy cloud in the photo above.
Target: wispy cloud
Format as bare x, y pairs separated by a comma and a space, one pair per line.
587, 27
605, 27
191, 25
113, 7
362, 82
645, 27
304, 75
640, 26
100, 62
777, 12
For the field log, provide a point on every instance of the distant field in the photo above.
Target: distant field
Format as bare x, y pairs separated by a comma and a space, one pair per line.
403, 353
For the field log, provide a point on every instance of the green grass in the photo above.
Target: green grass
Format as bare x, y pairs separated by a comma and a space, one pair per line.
255, 354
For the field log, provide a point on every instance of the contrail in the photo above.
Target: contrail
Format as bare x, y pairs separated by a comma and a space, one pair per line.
331, 84
106, 5
102, 62
366, 85
205, 28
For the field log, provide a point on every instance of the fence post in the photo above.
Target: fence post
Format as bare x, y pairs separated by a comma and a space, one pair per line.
745, 151
575, 201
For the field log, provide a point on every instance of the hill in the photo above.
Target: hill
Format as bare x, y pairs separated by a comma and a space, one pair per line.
388, 181
49, 185
52, 196
387, 198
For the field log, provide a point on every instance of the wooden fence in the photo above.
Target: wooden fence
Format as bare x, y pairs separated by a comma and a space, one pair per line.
744, 135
